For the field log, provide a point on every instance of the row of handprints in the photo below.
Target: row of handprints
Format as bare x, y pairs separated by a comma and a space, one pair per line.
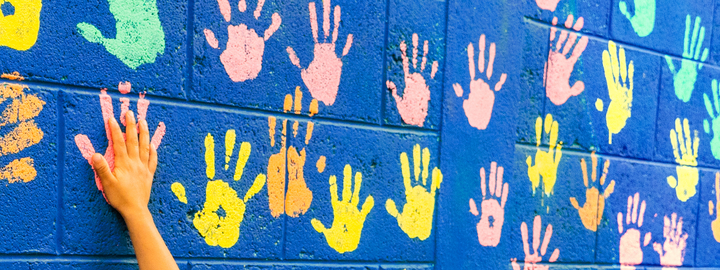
139, 42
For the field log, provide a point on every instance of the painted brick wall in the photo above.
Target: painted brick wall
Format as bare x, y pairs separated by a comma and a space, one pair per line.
368, 134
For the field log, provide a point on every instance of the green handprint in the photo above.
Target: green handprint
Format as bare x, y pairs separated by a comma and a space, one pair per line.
140, 35
643, 21
684, 79
715, 142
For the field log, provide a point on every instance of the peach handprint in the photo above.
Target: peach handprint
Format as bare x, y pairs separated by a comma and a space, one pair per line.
244, 50
479, 105
546, 163
532, 260
490, 230
592, 211
715, 225
672, 251
558, 68
322, 76
413, 105
547, 4
630, 250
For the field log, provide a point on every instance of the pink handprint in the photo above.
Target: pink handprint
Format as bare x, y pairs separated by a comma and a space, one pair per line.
532, 260
244, 50
559, 67
83, 142
322, 76
630, 250
488, 231
478, 107
674, 245
413, 105
547, 4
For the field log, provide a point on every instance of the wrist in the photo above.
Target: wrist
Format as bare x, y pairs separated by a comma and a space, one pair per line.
133, 215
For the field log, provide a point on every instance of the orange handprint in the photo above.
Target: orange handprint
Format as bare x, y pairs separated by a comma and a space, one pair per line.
322, 76
532, 260
489, 231
715, 225
479, 105
558, 68
592, 211
675, 243
83, 142
413, 105
630, 250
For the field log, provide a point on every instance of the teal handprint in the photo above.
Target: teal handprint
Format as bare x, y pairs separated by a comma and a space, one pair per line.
684, 80
643, 21
711, 109
140, 37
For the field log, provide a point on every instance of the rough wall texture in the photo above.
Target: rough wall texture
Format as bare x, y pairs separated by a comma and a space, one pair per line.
368, 134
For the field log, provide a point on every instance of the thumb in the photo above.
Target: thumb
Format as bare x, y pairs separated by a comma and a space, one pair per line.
102, 169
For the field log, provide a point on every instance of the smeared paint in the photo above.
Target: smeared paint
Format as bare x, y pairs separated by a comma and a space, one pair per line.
558, 67
672, 251
344, 235
599, 105
416, 219
322, 76
533, 258
320, 164
592, 211
631, 253
620, 90
15, 76
19, 115
489, 228
179, 191
684, 79
685, 151
140, 37
413, 105
547, 4
643, 21
712, 108
546, 163
715, 225
479, 105
19, 31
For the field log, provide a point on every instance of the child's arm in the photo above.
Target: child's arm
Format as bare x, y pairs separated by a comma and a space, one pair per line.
127, 189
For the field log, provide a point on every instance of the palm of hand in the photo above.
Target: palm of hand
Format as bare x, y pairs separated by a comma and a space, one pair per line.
684, 80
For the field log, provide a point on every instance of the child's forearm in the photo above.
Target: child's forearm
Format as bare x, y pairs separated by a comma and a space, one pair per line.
150, 249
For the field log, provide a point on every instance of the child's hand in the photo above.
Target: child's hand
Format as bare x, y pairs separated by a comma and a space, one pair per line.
127, 188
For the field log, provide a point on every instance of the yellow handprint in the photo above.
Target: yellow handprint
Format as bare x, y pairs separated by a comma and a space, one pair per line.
592, 211
19, 31
546, 163
224, 230
417, 216
685, 151
619, 89
344, 235
715, 225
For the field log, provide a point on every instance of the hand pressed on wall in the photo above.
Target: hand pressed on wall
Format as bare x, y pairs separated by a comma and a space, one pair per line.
413, 105
416, 220
243, 54
619, 79
672, 251
479, 105
532, 260
592, 211
344, 235
631, 253
715, 209
489, 231
546, 163
686, 152
643, 21
684, 79
19, 31
322, 76
560, 66
713, 109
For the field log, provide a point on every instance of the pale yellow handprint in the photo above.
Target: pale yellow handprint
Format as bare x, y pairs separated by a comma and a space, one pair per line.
685, 151
19, 30
344, 235
224, 230
715, 209
619, 79
546, 163
417, 217
592, 211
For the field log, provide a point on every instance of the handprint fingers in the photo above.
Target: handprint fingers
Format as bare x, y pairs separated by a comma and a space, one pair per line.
347, 184
348, 44
537, 227
405, 60
524, 233
425, 165
415, 49
473, 207
483, 186
313, 21
471, 57
356, 191
318, 226
276, 21
326, 17
405, 167
493, 175
546, 239
337, 23
333, 189
499, 177
609, 189
367, 206
583, 167
491, 61
256, 187
416, 162
86, 149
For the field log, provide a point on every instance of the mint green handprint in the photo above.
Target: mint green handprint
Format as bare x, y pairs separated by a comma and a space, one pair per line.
643, 21
140, 37
711, 109
684, 80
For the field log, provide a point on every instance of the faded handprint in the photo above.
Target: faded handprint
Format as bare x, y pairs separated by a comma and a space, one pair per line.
558, 68
712, 108
417, 217
672, 251
643, 21
289, 161
344, 235
547, 4
413, 105
592, 211
243, 54
619, 79
83, 142
532, 260
478, 107
140, 37
490, 230
19, 30
684, 79
686, 152
216, 228
631, 253
322, 76
546, 163
715, 225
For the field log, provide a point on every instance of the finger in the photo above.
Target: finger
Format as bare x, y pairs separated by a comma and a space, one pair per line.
348, 44
606, 165
347, 183
424, 58
623, 64
503, 199
131, 135
610, 189
481, 55
593, 158
367, 206
688, 138
572, 37
483, 186
619, 222
405, 166
437, 179
473, 207
537, 226
629, 210
86, 149
405, 60
118, 140
416, 162
356, 192
642, 214
425, 165
336, 17
696, 145
546, 240
158, 136
152, 161
631, 73
144, 142
583, 167
500, 82
636, 204
686, 47
693, 41
274, 26
666, 226
293, 57
415, 50
574, 203
333, 189
210, 156
493, 173
102, 169
701, 38
318, 226
498, 186
256, 187
491, 61
579, 49
715, 96
471, 61
391, 208
673, 225
326, 17
555, 255
607, 67
313, 21
524, 233
211, 39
